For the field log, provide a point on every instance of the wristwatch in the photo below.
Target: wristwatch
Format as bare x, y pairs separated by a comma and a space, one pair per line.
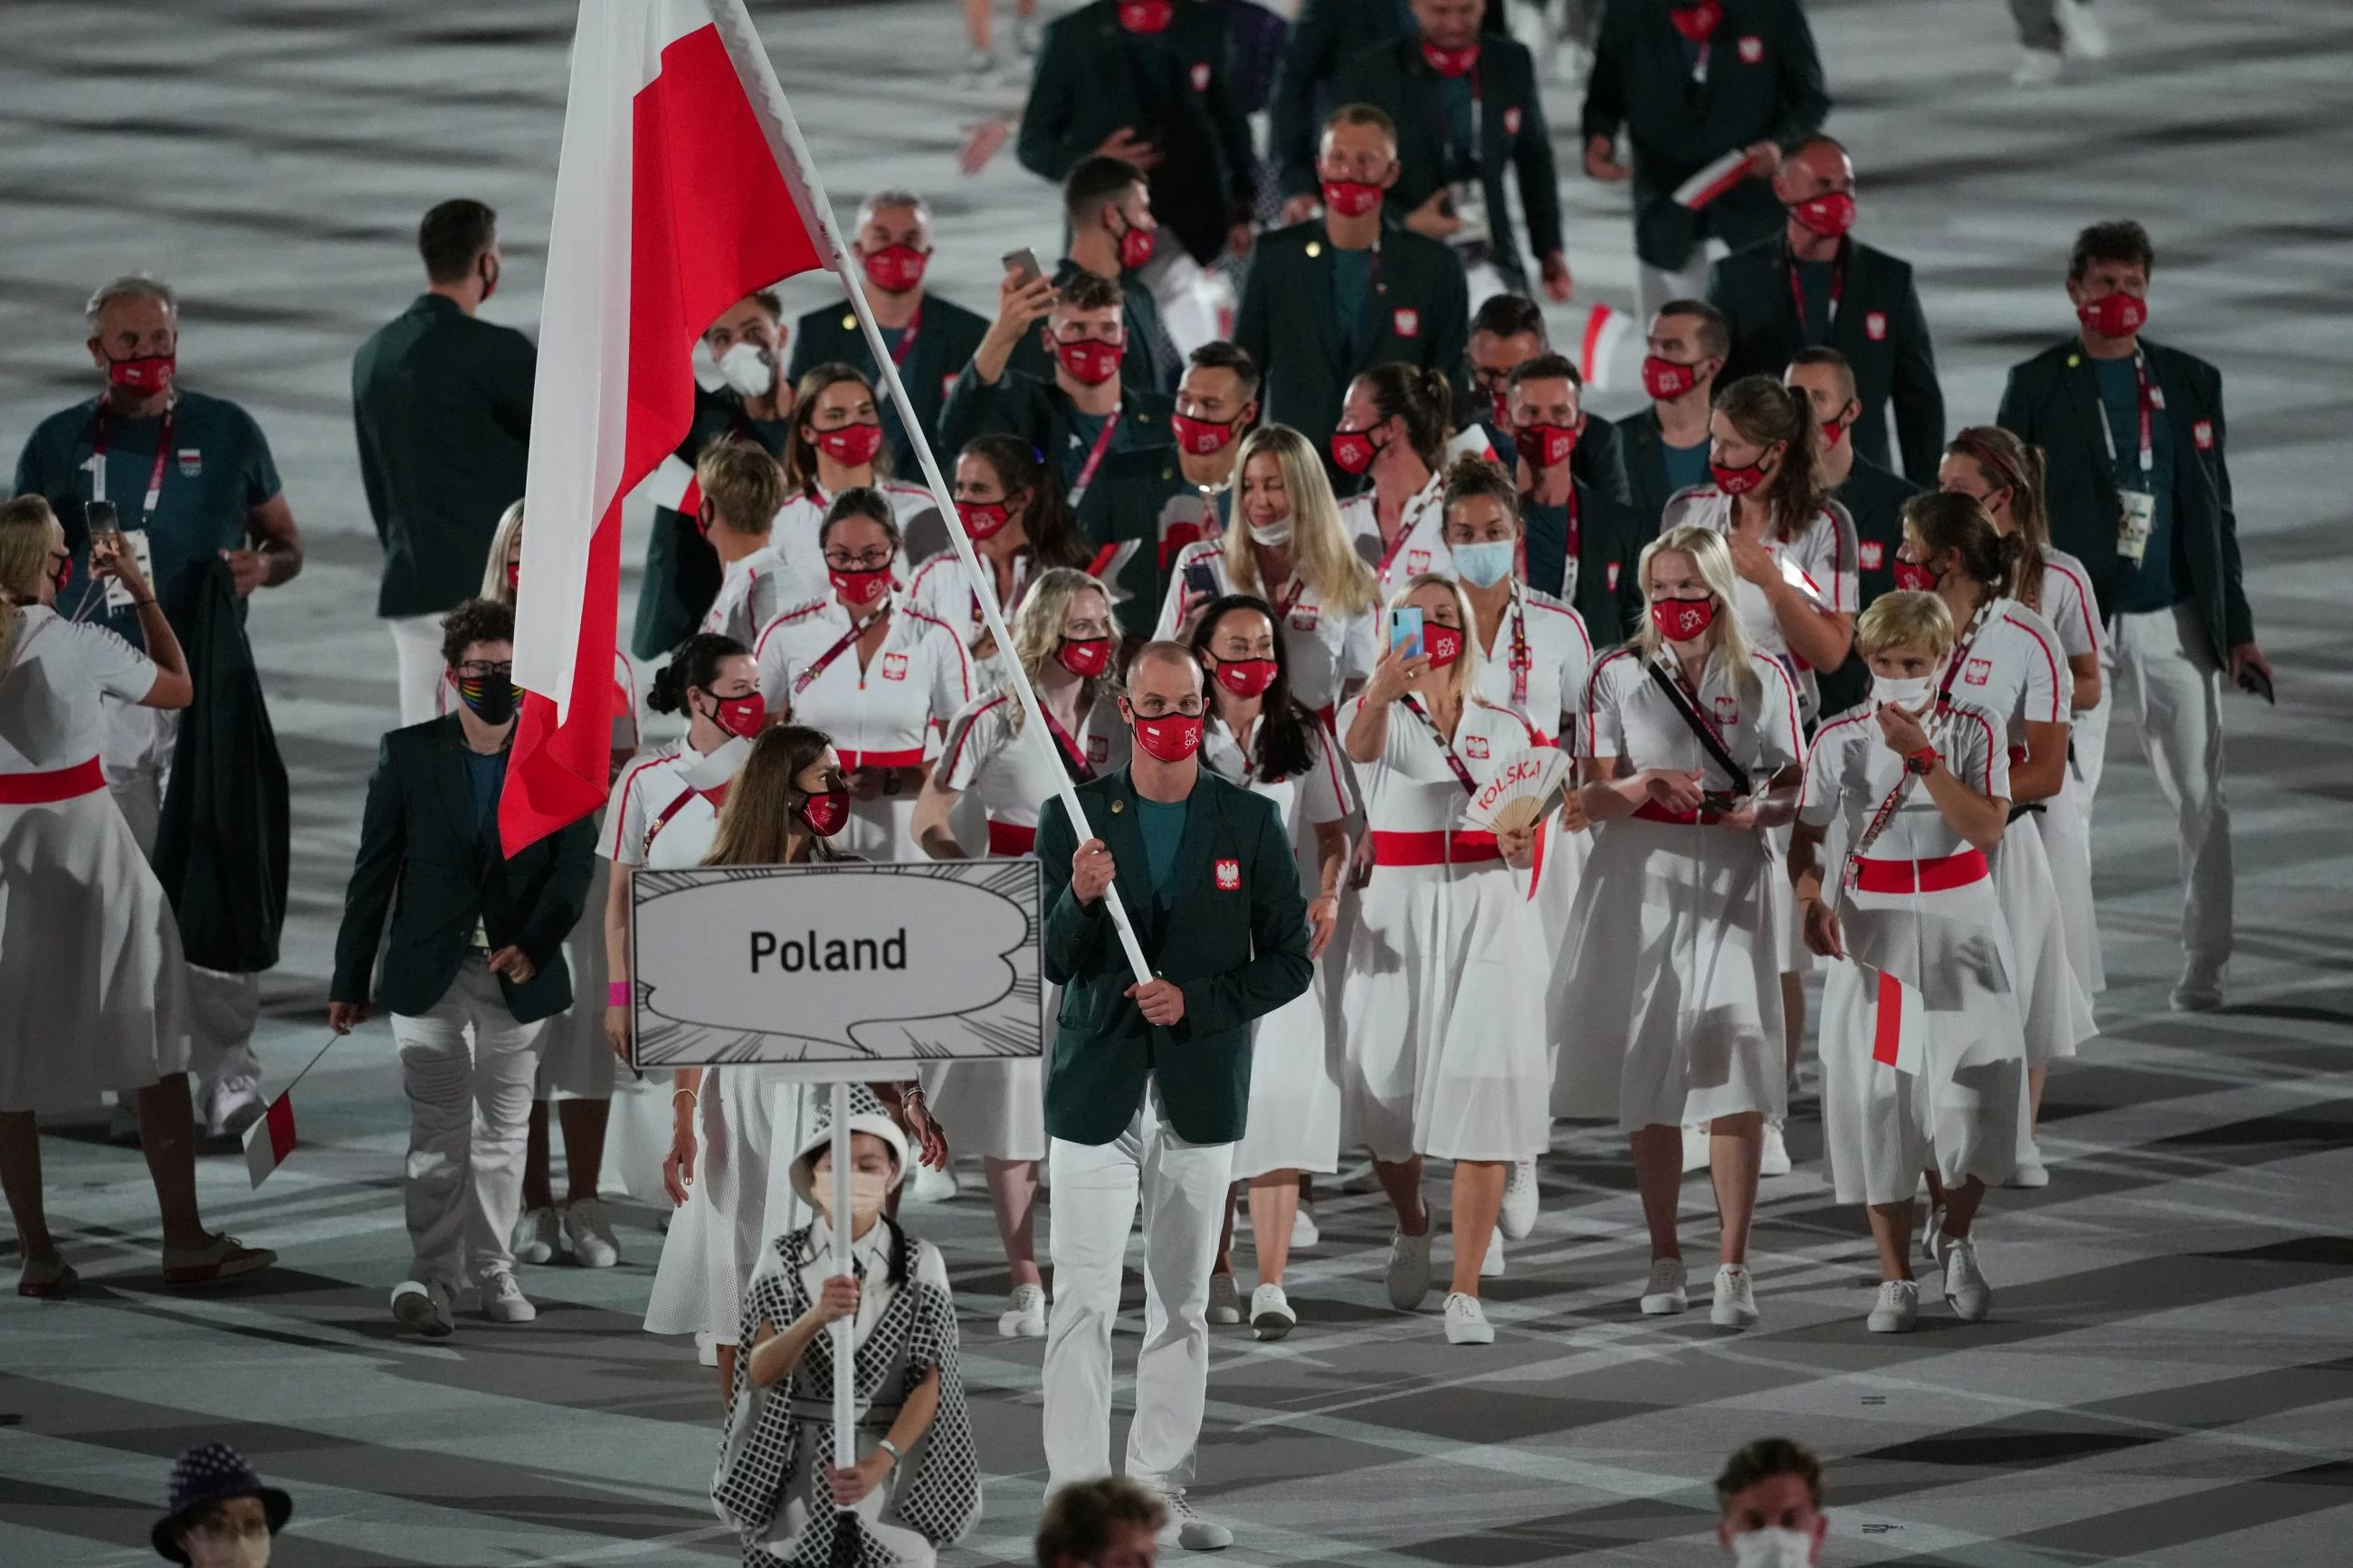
1922, 761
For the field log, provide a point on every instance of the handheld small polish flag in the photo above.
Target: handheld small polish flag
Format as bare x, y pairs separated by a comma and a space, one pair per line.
672, 202
1605, 330
1713, 181
272, 1137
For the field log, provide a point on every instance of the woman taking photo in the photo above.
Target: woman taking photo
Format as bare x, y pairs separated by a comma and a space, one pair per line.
1672, 973
1442, 989
91, 971
1064, 636
874, 674
1293, 553
837, 446
1013, 511
1261, 737
1393, 426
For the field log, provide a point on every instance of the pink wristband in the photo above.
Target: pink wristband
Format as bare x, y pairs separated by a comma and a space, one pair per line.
619, 994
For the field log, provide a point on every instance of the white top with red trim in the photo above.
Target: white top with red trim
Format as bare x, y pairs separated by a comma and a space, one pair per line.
1820, 562
941, 589
52, 694
1852, 770
883, 715
1628, 716
1008, 769
794, 535
1305, 800
647, 789
1559, 657
2014, 669
1421, 539
1326, 649
750, 595
2068, 604
1409, 788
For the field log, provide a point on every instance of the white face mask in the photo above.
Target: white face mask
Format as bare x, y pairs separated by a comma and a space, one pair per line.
1273, 536
1911, 694
748, 369
707, 373
1485, 563
212, 1550
867, 1189
1773, 1547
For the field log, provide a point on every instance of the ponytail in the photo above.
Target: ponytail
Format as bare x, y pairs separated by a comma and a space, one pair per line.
694, 663
2008, 462
1948, 520
1421, 399
1765, 412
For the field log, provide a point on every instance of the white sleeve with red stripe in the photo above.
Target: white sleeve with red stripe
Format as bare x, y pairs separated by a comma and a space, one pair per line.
1780, 740
1605, 736
1822, 796
625, 821
1319, 795
1976, 753
952, 672
2047, 684
974, 736
1835, 567
2068, 605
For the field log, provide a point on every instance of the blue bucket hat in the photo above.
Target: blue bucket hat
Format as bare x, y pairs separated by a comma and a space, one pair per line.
206, 1474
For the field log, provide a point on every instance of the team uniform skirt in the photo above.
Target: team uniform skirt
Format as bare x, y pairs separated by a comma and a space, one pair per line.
748, 1126
2054, 1009
1294, 1121
1670, 997
575, 1060
92, 983
882, 829
994, 1110
2067, 842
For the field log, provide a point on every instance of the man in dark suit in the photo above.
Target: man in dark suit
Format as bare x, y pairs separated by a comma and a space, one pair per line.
1873, 497
1326, 300
1813, 285
2135, 484
1150, 1081
1147, 83
929, 337
1108, 210
1584, 545
1664, 447
1507, 331
1690, 84
474, 964
441, 400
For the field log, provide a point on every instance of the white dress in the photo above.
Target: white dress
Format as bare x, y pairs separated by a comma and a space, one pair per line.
2074, 615
1441, 992
92, 983
1421, 544
943, 590
1923, 1051
1538, 668
1669, 997
1297, 1057
1820, 562
1327, 648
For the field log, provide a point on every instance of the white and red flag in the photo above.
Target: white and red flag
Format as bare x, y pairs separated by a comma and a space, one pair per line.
674, 198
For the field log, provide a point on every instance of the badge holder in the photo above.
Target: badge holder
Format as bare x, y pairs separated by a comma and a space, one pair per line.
2136, 524
1474, 241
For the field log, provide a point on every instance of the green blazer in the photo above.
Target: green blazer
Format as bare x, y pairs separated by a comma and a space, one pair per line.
1875, 498
1642, 451
1609, 544
422, 862
1234, 937
946, 335
1325, 35
2054, 401
1879, 327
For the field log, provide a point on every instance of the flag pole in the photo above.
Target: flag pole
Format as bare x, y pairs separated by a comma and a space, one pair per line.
799, 170
844, 1329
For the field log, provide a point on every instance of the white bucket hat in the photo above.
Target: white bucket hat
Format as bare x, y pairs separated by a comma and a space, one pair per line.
866, 1115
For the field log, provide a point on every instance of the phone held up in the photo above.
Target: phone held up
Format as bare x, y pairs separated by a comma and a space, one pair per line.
1023, 265
1405, 631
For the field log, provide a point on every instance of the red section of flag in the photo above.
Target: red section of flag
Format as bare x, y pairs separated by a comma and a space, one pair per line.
1888, 1036
269, 1141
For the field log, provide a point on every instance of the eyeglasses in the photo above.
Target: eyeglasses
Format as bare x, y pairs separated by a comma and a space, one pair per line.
477, 669
865, 561
1161, 708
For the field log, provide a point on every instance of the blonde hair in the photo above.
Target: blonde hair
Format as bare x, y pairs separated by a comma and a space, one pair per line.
1465, 668
1321, 554
1904, 618
495, 586
743, 485
1727, 648
1037, 630
28, 533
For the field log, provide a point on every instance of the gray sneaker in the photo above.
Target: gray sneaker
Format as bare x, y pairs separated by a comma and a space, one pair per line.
1897, 1310
589, 1232
536, 1234
424, 1307
1188, 1529
504, 1300
1408, 1273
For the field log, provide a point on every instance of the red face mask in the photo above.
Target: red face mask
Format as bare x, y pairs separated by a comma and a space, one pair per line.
1088, 361
1831, 431
825, 813
2116, 315
514, 573
1443, 644
1171, 739
1136, 246
1545, 446
1663, 379
146, 374
1915, 578
1351, 198
1680, 620
64, 574
896, 269
981, 518
1736, 481
859, 587
1085, 658
1450, 62
1201, 437
1698, 22
741, 716
1829, 214
1246, 677
1352, 451
1147, 16
851, 446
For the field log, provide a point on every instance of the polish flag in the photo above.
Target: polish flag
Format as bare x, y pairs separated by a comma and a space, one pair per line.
1712, 181
1605, 330
677, 194
270, 1140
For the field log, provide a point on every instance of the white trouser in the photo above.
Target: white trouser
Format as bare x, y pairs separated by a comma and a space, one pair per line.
1654, 286
463, 1186
2169, 681
1095, 1189
416, 646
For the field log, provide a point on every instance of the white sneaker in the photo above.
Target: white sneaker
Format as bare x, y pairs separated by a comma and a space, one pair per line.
1304, 1231
1225, 1299
1271, 1313
1773, 1160
1188, 1529
1695, 1149
2081, 25
2038, 67
930, 1186
1664, 1293
2030, 1172
1520, 1194
1026, 1317
235, 1104
1408, 1270
2199, 990
424, 1307
1897, 1310
535, 1236
1466, 1321
1966, 1290
1736, 1298
590, 1232
504, 1300
1491, 1262
978, 66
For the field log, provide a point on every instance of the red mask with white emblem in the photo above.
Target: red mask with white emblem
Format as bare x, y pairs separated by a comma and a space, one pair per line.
1913, 578
1696, 22
1351, 198
1735, 481
1088, 361
981, 518
1171, 739
147, 373
1545, 446
1828, 214
851, 446
1663, 379
1201, 437
1353, 450
1246, 677
2116, 315
1680, 620
859, 587
1450, 62
1147, 16
826, 813
1443, 644
1136, 246
1085, 658
896, 269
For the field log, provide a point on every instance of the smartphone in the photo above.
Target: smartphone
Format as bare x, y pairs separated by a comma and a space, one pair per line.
2255, 682
1200, 583
1405, 631
1023, 265
103, 521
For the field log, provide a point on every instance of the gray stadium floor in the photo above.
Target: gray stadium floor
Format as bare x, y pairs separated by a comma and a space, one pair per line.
2165, 1380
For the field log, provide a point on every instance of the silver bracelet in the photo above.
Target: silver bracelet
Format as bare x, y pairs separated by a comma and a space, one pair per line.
891, 1448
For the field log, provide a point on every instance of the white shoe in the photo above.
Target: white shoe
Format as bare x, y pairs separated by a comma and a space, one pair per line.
424, 1307
1408, 1270
1491, 1262
2199, 989
1898, 1309
1664, 1293
2081, 25
2038, 67
122, 1123
1304, 1231
234, 1105
1695, 1149
1773, 1160
930, 1186
1025, 1318
1225, 1299
2030, 1172
504, 1300
1520, 1194
1966, 1290
978, 66
535, 1236
1466, 1321
1736, 1298
590, 1232
1271, 1313
1188, 1529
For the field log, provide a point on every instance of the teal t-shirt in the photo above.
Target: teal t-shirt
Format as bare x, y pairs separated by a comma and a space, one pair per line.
1352, 291
2152, 584
1162, 823
1461, 139
1686, 466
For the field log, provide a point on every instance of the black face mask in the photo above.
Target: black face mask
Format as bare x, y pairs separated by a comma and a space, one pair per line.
492, 701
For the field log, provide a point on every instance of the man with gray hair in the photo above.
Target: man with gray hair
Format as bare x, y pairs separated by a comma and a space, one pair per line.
187, 479
930, 338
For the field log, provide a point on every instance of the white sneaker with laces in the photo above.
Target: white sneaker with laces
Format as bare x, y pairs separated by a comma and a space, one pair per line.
1271, 1315
504, 1300
1897, 1310
2038, 67
424, 1307
1664, 1294
1491, 1262
1305, 1232
1736, 1298
1773, 1160
1520, 1194
2030, 1172
2081, 25
1408, 1270
930, 1186
1225, 1298
1966, 1290
1187, 1528
235, 1104
589, 1230
535, 1236
1466, 1321
1025, 1319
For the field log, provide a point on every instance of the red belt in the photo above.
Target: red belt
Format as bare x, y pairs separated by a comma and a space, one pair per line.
853, 760
1651, 811
59, 784
1008, 841
1940, 875
1434, 848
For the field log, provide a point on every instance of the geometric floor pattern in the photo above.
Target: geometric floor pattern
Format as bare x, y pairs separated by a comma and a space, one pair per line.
2167, 1377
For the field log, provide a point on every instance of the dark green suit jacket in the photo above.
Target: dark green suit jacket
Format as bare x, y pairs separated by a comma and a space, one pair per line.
946, 335
1421, 310
1325, 37
2054, 401
1875, 498
1642, 451
441, 403
1234, 937
423, 862
1879, 327
1609, 544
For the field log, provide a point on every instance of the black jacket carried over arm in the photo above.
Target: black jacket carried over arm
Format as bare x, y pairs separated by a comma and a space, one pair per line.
222, 846
946, 335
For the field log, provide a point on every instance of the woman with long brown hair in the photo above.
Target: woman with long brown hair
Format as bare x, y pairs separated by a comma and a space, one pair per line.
1012, 508
836, 445
1394, 424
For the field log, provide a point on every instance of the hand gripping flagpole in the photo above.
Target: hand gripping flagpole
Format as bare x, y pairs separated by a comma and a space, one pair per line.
800, 174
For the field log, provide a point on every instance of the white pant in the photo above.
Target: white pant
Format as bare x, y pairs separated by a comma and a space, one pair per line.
1095, 1189
417, 647
2169, 681
463, 1184
1654, 286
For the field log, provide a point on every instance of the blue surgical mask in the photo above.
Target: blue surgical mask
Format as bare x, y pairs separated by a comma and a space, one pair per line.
1485, 564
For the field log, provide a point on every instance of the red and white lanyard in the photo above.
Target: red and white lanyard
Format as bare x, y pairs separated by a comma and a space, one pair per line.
1520, 659
1445, 747
1290, 600
1079, 769
1885, 816
1961, 651
718, 797
907, 338
2147, 393
1095, 457
155, 473
1413, 515
817, 665
1838, 288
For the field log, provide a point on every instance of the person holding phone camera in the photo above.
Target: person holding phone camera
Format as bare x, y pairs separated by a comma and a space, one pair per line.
1107, 209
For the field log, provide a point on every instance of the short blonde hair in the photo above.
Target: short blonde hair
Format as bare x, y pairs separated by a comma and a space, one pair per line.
743, 485
1904, 618
1465, 668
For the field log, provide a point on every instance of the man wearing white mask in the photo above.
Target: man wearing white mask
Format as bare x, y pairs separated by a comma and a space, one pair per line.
1770, 1506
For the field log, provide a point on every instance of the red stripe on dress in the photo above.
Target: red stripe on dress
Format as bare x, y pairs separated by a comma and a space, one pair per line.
1887, 1033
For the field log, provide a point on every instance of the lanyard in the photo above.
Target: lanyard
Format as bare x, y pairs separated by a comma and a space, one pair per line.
2148, 397
907, 339
1095, 457
1885, 816
817, 666
163, 448
1445, 747
1413, 514
1020, 588
1968, 640
1290, 600
1522, 661
1838, 288
1074, 761
718, 797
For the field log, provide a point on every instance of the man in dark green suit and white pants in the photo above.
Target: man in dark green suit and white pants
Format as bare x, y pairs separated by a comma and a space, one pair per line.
1149, 1083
